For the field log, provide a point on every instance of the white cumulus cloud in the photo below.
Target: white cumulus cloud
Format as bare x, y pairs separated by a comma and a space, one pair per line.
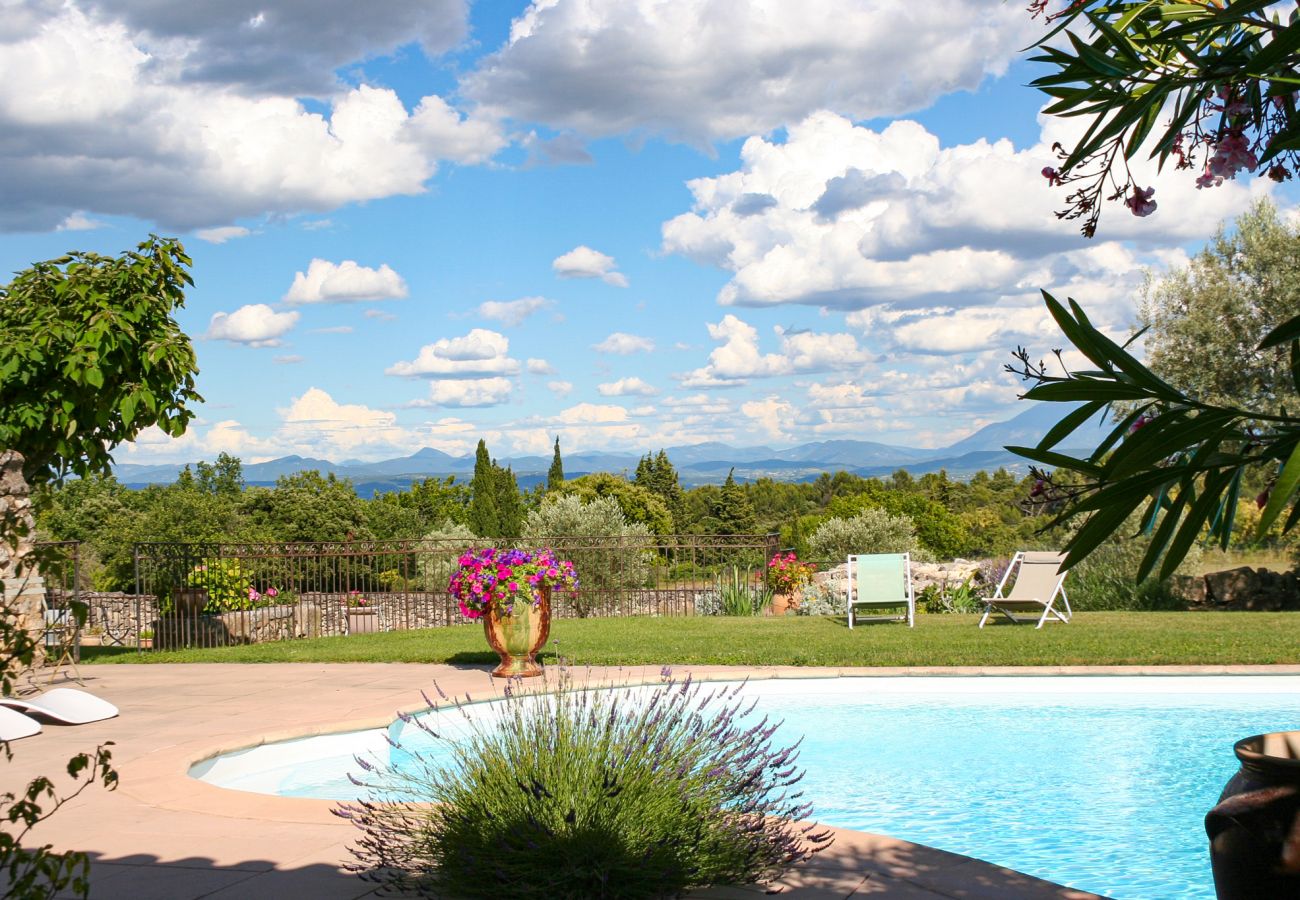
222, 234
706, 70
255, 324
584, 262
627, 387
472, 392
479, 354
344, 282
513, 312
621, 343
179, 114
316, 424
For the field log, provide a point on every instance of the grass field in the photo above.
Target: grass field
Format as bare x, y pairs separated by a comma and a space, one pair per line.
1097, 638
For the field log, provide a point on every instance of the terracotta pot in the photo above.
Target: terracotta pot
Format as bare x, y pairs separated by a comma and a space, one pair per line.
517, 637
363, 621
783, 604
1255, 830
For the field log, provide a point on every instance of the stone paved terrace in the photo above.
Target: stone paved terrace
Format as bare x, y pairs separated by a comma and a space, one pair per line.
164, 835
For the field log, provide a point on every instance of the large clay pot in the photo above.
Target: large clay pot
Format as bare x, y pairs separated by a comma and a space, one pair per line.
783, 604
1255, 830
517, 637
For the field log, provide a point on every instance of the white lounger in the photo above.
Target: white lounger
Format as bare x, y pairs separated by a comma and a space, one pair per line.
15, 725
67, 706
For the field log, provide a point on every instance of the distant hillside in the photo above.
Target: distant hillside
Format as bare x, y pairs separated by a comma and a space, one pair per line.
704, 463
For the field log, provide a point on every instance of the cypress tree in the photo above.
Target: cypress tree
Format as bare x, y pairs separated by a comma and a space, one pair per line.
510, 508
555, 477
484, 518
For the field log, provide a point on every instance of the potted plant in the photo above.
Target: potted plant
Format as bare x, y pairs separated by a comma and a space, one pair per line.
510, 590
363, 618
786, 576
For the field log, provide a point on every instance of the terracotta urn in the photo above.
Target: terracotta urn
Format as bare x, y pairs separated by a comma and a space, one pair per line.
517, 636
1255, 830
784, 604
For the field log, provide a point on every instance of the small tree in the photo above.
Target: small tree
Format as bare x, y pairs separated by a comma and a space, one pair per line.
91, 356
510, 507
555, 476
484, 518
733, 513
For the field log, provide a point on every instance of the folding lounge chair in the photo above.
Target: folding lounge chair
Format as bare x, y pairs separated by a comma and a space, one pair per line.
67, 706
1039, 581
882, 579
15, 725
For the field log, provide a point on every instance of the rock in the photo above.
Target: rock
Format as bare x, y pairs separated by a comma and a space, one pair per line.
1190, 588
1254, 589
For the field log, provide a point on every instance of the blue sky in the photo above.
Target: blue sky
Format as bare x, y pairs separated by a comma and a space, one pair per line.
630, 225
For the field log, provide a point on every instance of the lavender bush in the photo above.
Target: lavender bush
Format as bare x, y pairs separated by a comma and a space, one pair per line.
577, 793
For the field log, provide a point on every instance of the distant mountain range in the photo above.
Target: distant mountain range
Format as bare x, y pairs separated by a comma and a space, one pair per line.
706, 463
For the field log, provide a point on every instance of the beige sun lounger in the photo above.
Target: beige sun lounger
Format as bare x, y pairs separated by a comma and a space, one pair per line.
881, 580
1039, 581
67, 706
15, 725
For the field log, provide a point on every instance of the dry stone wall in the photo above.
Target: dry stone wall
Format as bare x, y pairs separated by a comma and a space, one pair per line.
23, 587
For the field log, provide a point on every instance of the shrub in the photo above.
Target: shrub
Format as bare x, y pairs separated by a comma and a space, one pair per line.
820, 599
871, 531
587, 794
1104, 579
450, 539
592, 535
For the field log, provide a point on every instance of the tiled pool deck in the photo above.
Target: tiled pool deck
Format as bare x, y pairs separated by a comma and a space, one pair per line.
164, 835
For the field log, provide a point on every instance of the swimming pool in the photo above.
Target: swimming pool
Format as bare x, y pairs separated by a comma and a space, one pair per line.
1099, 783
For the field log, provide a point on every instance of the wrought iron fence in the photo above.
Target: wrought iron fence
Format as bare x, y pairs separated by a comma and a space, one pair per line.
64, 614
205, 595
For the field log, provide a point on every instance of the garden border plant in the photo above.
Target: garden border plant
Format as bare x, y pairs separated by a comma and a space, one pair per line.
581, 793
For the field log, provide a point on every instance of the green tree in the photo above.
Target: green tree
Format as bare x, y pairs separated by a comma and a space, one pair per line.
1204, 322
733, 513
225, 476
510, 506
1209, 86
91, 356
638, 504
658, 475
555, 475
308, 506
484, 517
410, 514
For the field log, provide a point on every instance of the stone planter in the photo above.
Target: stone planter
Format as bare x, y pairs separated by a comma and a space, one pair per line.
1255, 830
517, 637
363, 621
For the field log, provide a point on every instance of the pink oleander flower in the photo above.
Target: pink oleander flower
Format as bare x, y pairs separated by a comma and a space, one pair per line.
1053, 177
1140, 202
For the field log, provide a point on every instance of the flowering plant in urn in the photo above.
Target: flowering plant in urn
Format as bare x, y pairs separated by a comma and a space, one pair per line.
786, 573
502, 578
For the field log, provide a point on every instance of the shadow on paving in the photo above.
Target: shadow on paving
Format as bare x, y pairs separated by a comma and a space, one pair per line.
142, 876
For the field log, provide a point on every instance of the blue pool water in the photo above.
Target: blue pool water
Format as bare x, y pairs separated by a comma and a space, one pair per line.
1098, 783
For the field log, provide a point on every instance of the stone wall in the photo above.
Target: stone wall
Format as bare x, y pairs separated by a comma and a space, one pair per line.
23, 587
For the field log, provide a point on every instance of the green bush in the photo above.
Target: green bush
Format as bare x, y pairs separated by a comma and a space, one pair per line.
871, 531
586, 794
591, 534
1104, 580
436, 567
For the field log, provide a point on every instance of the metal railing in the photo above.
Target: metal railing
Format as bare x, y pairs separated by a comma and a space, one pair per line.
205, 595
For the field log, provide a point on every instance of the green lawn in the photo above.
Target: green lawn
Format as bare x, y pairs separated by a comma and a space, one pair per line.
1098, 638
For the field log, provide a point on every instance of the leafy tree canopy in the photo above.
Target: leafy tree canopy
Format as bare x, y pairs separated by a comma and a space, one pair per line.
91, 356
1204, 322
